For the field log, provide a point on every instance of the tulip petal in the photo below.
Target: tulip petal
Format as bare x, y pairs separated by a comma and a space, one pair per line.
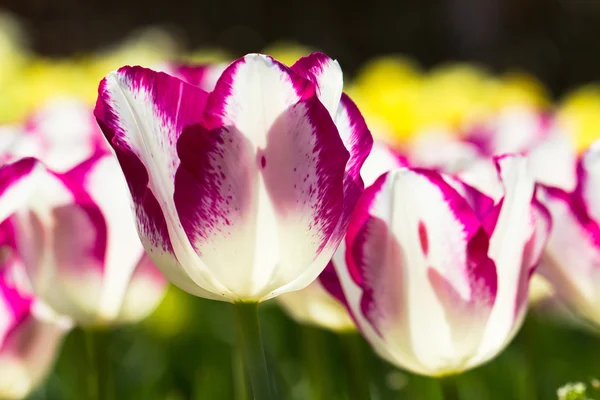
381, 159
509, 241
142, 114
572, 254
273, 209
13, 309
16, 183
589, 178
326, 74
433, 251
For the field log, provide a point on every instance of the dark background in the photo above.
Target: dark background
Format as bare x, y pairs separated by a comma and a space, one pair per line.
556, 40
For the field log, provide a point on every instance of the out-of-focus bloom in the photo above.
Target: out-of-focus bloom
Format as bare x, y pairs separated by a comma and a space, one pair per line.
436, 272
387, 91
40, 81
76, 238
580, 113
29, 342
517, 89
453, 95
514, 130
28, 83
243, 193
29, 335
572, 257
315, 305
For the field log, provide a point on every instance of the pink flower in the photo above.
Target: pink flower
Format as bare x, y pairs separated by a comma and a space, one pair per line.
571, 260
29, 337
245, 192
76, 237
436, 272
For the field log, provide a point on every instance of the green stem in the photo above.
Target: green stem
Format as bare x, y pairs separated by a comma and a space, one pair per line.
250, 342
449, 388
315, 357
355, 360
242, 389
100, 383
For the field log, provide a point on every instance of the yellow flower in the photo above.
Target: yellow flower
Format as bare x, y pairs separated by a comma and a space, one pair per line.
387, 91
453, 95
518, 89
580, 114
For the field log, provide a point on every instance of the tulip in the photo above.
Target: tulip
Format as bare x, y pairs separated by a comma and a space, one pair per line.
436, 272
572, 256
314, 305
245, 192
76, 238
29, 340
29, 336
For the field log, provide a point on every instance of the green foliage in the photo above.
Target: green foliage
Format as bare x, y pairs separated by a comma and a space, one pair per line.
193, 358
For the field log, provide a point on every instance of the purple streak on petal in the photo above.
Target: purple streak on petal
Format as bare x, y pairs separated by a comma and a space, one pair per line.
309, 67
423, 239
11, 174
214, 186
80, 242
481, 270
467, 316
331, 283
19, 307
192, 74
178, 103
532, 252
460, 207
482, 204
577, 206
375, 251
491, 219
291, 184
360, 217
359, 144
217, 100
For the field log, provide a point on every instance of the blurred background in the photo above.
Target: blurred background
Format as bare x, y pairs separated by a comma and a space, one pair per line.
540, 52
555, 40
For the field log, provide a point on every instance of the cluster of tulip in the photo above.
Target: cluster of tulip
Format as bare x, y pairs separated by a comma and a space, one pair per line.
254, 180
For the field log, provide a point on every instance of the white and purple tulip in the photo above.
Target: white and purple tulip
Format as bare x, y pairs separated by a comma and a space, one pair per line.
76, 238
245, 192
435, 272
314, 305
30, 337
571, 261
28, 342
